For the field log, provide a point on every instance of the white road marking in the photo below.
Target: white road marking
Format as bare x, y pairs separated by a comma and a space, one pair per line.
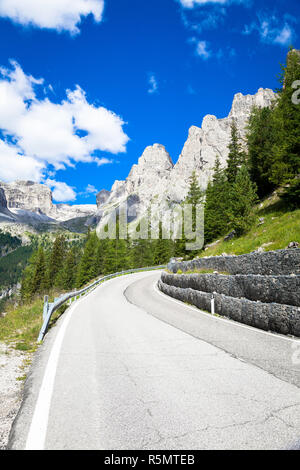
38, 429
36, 438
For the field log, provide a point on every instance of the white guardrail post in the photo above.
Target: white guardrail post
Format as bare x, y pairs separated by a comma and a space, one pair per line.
50, 308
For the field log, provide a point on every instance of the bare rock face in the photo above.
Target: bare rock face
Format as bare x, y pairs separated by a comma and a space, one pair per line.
26, 195
30, 204
3, 201
156, 180
211, 140
102, 197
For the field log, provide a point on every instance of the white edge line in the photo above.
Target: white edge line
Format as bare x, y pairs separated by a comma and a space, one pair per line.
38, 429
226, 320
36, 437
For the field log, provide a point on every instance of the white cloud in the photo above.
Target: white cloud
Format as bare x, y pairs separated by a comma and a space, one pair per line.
91, 189
103, 161
285, 36
272, 30
15, 166
153, 84
190, 4
61, 15
43, 133
193, 3
202, 50
61, 191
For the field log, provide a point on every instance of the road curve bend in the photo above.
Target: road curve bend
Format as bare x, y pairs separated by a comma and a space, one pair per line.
128, 368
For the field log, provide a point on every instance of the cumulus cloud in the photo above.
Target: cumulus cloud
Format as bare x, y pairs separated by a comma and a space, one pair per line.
16, 166
61, 192
40, 133
61, 15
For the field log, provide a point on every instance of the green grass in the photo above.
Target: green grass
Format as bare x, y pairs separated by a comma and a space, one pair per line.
279, 229
21, 326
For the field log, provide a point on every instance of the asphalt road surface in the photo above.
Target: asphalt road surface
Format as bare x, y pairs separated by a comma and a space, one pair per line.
128, 368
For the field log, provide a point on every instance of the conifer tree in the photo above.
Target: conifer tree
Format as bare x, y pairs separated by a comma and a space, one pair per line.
242, 198
69, 271
86, 268
236, 155
216, 211
261, 138
57, 258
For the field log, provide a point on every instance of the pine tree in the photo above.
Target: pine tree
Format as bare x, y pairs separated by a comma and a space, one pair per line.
242, 198
69, 272
38, 284
163, 249
195, 194
86, 268
216, 211
261, 138
236, 155
56, 262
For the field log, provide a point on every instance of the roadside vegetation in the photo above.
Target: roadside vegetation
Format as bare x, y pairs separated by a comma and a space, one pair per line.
274, 228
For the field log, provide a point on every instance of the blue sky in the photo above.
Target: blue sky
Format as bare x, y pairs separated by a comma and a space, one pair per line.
86, 85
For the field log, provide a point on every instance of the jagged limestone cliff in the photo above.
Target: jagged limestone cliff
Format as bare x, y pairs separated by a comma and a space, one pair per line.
156, 180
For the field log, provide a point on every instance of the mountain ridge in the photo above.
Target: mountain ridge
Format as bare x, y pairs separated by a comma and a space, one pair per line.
155, 178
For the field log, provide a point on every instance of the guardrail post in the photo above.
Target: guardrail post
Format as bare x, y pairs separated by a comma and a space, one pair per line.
212, 304
46, 306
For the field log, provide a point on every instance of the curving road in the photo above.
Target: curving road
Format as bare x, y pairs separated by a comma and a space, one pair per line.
128, 368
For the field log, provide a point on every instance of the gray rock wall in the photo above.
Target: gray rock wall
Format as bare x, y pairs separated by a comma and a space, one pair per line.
278, 289
281, 262
284, 319
261, 289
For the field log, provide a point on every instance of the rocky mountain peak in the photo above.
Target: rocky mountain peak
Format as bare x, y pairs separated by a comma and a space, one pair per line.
155, 179
156, 156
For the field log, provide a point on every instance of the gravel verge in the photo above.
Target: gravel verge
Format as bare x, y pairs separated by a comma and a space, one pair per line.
13, 367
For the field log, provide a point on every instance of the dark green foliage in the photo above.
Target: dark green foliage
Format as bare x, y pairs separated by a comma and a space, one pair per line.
195, 194
260, 141
12, 266
286, 151
87, 267
242, 197
274, 137
236, 155
70, 271
56, 261
291, 195
216, 213
8, 243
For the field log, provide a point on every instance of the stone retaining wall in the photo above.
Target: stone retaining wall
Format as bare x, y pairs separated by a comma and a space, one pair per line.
281, 262
284, 319
278, 289
260, 289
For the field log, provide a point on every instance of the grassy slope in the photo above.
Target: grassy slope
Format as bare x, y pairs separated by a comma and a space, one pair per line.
20, 327
279, 229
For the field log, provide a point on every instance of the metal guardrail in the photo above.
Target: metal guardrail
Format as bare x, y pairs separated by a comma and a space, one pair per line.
50, 308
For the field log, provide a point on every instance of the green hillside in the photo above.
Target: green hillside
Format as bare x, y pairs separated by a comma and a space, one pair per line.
279, 228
